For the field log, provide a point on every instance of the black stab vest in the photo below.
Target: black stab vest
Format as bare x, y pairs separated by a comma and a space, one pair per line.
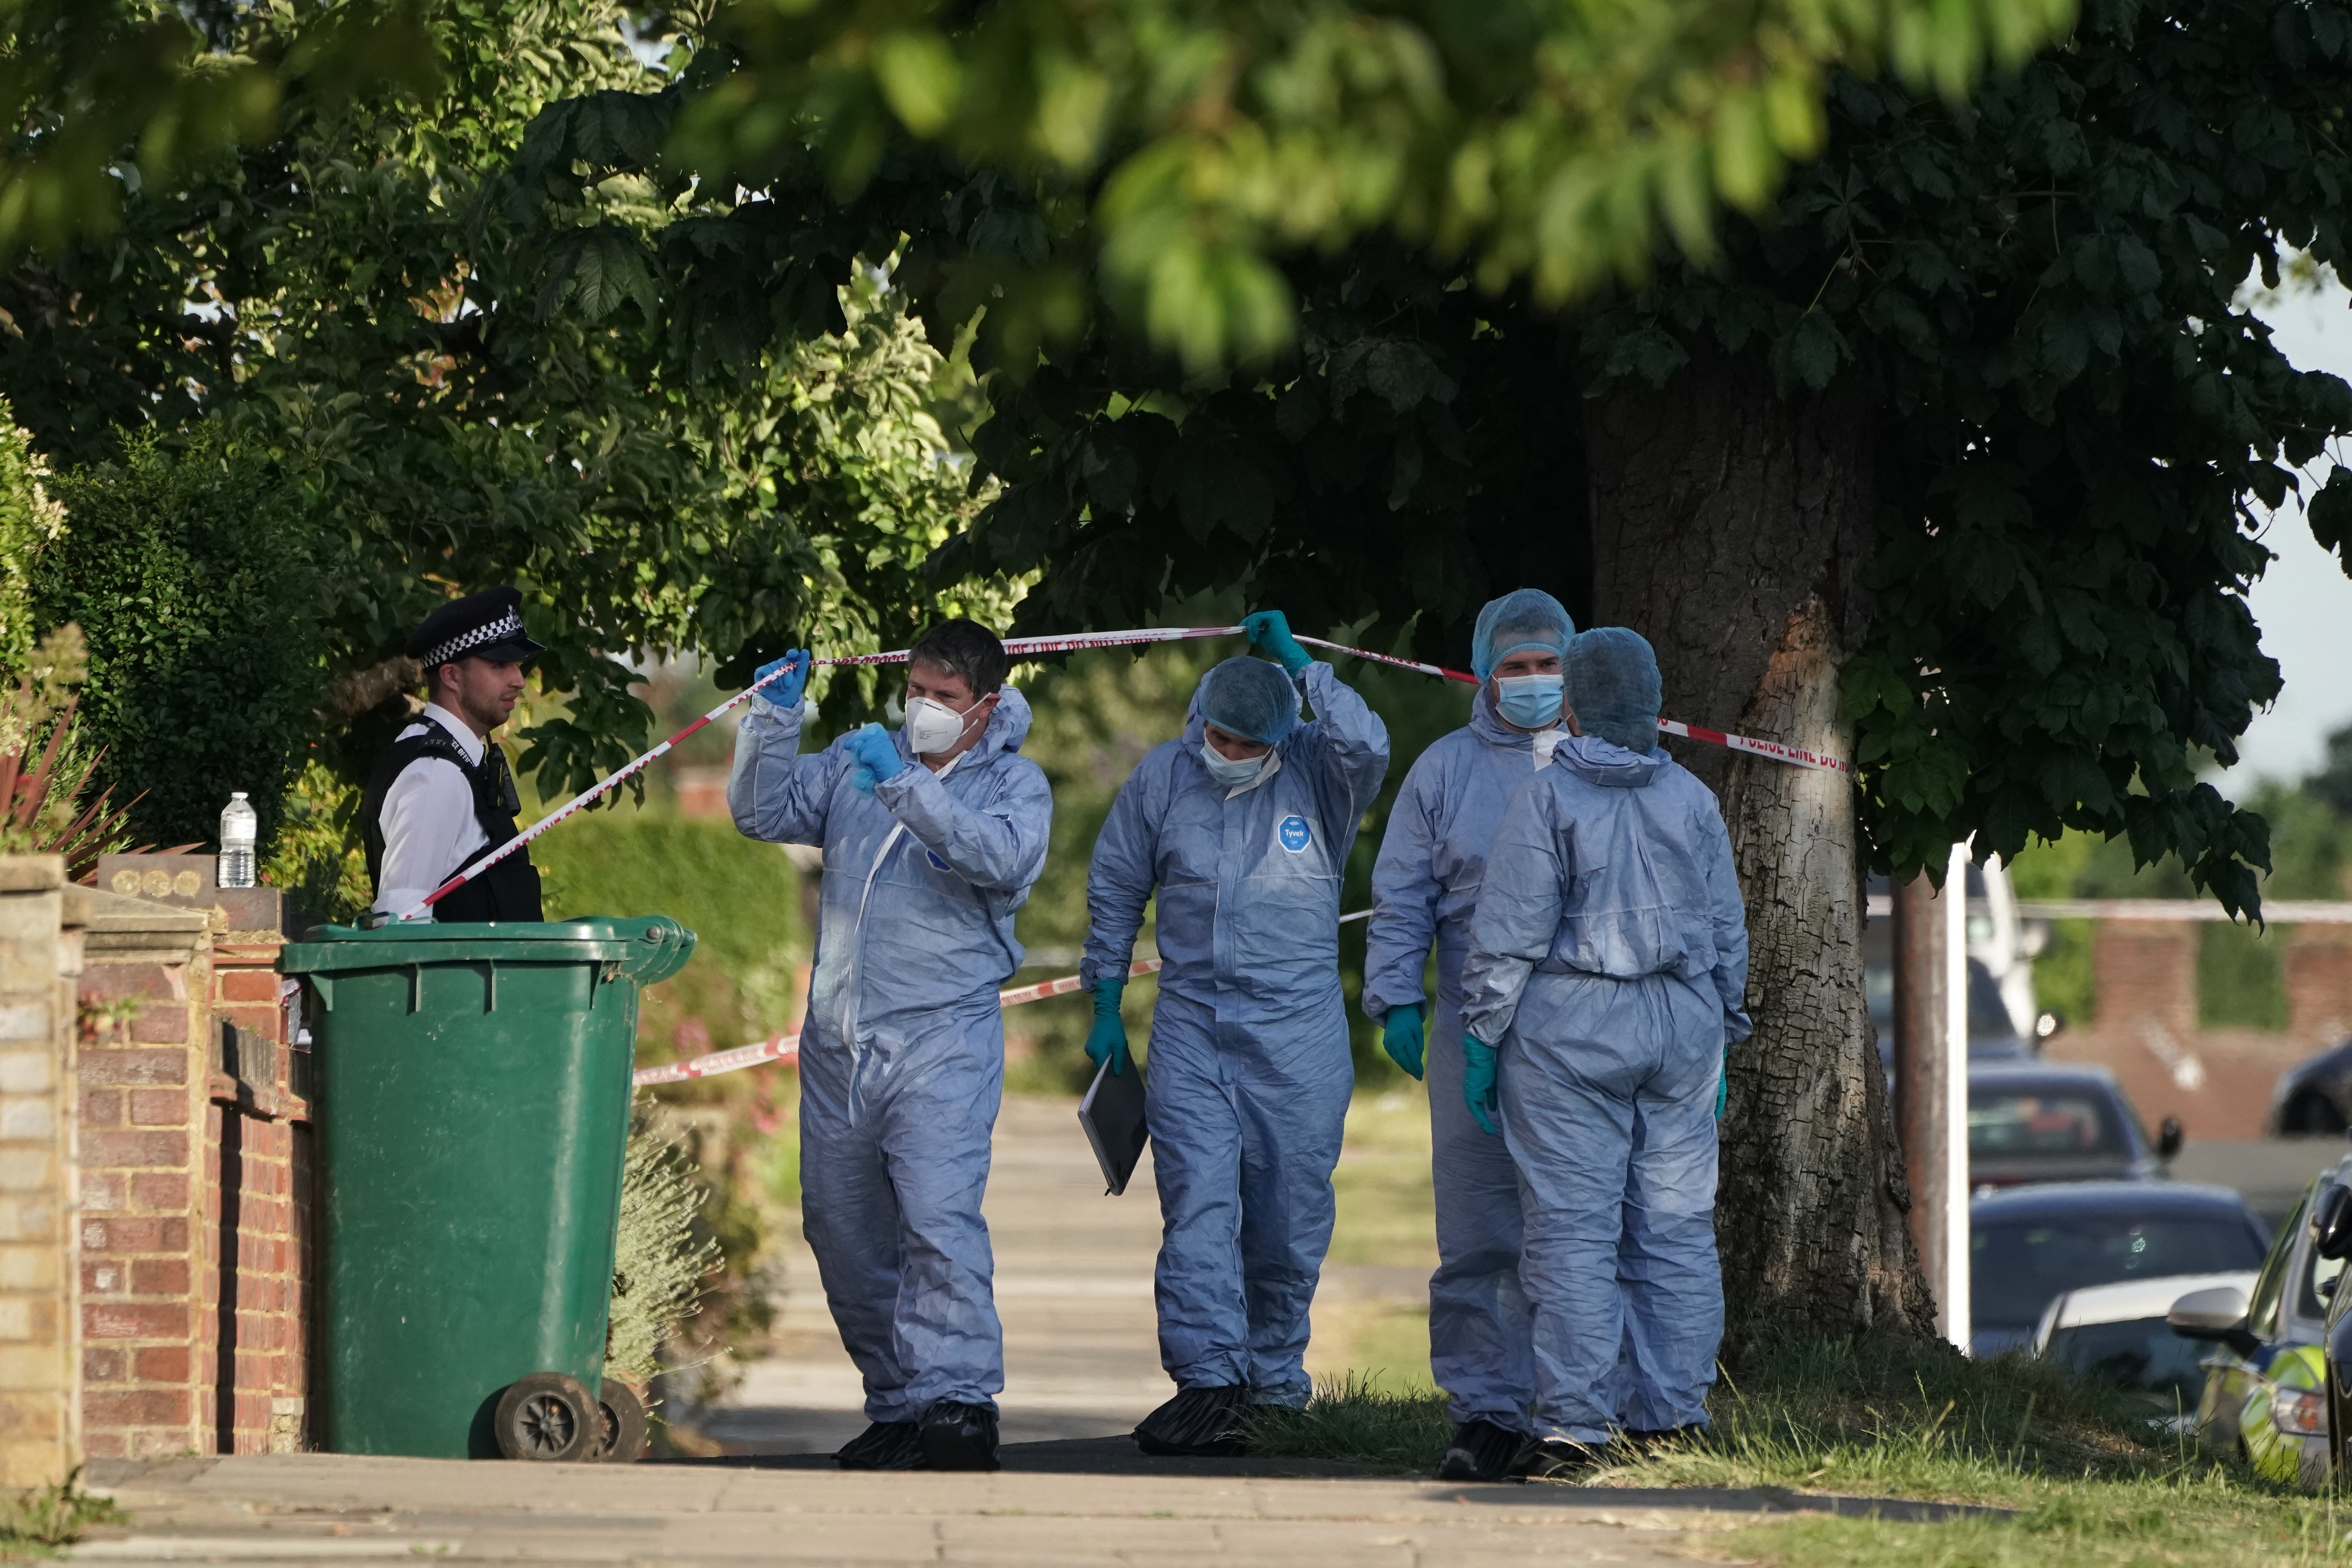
507, 891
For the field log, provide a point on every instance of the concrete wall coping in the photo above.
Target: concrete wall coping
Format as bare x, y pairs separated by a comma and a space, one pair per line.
32, 873
118, 923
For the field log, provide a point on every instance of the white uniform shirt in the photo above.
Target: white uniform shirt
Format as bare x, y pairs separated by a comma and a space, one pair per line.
428, 821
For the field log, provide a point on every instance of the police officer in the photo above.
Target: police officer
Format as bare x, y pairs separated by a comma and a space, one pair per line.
442, 795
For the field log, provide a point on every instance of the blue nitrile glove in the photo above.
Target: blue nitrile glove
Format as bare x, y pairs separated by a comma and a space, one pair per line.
1479, 1083
1109, 1036
1400, 1037
1723, 1086
786, 691
1270, 633
875, 757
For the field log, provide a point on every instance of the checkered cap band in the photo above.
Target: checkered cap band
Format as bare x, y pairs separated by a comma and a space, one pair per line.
507, 625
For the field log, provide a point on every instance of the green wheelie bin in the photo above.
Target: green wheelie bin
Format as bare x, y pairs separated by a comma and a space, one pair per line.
473, 1104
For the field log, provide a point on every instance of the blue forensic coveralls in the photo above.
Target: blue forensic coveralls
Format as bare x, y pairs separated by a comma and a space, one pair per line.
1608, 964
902, 1053
1424, 886
1248, 1075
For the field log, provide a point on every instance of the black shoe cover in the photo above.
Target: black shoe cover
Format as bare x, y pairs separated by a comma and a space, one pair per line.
959, 1436
884, 1445
1557, 1459
1480, 1451
1197, 1423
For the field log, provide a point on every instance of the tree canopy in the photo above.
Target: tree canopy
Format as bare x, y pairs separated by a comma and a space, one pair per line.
2075, 432
380, 305
1185, 147
579, 354
105, 99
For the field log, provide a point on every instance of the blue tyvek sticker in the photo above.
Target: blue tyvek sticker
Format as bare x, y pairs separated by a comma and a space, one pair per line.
936, 864
1293, 832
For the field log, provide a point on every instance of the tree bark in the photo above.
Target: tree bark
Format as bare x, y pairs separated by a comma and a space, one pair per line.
1731, 527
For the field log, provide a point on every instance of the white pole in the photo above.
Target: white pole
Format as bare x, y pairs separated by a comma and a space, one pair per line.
1952, 1301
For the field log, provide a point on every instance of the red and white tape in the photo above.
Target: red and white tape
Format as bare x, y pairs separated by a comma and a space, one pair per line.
1038, 647
786, 1047
1019, 647
1796, 755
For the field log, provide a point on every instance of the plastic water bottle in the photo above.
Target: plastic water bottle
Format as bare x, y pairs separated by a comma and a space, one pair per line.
238, 828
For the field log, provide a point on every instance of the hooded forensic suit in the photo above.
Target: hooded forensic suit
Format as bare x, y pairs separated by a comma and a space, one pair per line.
1425, 884
1608, 962
1249, 1069
902, 1055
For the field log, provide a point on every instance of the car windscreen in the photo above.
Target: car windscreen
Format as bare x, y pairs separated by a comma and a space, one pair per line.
2045, 1124
2017, 1267
2143, 1355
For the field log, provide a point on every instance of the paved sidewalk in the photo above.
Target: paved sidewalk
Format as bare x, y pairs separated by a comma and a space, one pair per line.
1072, 1289
1049, 1512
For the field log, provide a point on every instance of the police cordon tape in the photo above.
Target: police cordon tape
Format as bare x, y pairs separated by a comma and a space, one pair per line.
786, 1047
1797, 755
1037, 647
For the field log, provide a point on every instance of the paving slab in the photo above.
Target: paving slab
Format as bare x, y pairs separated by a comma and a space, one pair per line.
1045, 1509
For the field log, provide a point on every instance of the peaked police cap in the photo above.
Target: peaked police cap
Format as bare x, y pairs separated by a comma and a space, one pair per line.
488, 625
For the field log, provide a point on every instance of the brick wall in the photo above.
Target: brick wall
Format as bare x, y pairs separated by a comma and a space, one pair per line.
2146, 971
40, 953
146, 990
195, 1165
2217, 1082
2317, 968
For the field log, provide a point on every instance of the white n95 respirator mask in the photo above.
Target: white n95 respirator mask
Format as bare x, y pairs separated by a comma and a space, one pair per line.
933, 727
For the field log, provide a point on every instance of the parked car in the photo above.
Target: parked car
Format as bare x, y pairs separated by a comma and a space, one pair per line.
2316, 1094
2121, 1335
2050, 1121
2030, 1245
2263, 1355
2331, 1238
1992, 1036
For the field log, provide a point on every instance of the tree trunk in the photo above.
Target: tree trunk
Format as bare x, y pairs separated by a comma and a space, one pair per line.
1730, 529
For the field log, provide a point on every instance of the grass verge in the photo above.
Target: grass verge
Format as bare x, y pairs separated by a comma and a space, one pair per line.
1353, 1417
2084, 1478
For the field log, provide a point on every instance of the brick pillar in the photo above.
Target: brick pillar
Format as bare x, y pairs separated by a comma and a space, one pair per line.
2319, 971
144, 1072
2147, 973
259, 1167
40, 953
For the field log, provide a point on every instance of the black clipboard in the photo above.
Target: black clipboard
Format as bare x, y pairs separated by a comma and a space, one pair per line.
1112, 1115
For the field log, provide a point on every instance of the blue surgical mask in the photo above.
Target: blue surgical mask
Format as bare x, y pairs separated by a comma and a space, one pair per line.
1530, 702
1228, 772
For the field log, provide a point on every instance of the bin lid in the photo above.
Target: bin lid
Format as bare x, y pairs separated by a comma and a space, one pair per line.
646, 948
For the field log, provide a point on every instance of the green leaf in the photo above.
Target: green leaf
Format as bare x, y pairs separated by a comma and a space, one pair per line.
920, 77
1812, 351
2329, 515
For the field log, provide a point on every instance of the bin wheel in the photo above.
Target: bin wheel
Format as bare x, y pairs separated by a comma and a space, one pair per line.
621, 1433
548, 1417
